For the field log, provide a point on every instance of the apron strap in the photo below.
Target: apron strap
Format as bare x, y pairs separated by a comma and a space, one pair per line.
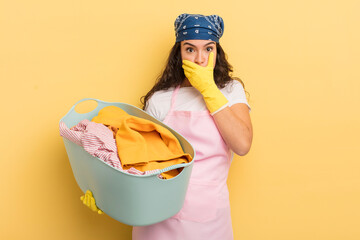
173, 98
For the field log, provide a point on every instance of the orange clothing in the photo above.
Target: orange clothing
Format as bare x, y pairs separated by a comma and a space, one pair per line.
141, 143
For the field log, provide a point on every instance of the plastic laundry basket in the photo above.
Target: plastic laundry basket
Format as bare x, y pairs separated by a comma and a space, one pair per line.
135, 200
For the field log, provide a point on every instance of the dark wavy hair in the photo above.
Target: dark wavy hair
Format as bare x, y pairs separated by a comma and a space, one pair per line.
173, 74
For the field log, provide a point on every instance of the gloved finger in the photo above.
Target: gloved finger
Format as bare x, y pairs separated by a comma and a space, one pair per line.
88, 192
93, 205
190, 64
100, 212
88, 196
211, 60
84, 199
187, 74
87, 200
187, 68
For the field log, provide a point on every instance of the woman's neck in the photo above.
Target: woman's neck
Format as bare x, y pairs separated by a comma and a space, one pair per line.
185, 83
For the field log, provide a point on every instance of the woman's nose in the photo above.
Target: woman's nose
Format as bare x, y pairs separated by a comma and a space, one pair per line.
200, 59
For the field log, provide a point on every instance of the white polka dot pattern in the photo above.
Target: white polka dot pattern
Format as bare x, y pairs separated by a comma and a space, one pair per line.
198, 27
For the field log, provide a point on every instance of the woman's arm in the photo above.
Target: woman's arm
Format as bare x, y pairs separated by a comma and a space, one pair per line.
235, 126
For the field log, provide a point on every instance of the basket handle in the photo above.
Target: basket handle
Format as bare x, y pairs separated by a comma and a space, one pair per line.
100, 104
155, 174
76, 117
179, 165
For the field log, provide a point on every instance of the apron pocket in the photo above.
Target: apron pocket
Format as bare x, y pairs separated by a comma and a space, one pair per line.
201, 202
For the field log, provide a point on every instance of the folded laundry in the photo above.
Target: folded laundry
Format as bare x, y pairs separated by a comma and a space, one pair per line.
98, 140
141, 143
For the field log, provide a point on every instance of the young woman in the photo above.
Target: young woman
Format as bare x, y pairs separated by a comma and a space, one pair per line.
196, 96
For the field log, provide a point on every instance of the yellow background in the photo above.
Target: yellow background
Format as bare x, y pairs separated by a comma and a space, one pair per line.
300, 63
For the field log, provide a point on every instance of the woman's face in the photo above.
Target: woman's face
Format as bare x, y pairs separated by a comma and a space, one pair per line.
197, 51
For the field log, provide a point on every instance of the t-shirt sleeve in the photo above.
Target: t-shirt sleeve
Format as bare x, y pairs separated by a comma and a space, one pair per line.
235, 93
152, 110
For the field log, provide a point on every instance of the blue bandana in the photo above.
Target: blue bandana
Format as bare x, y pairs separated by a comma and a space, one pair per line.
196, 26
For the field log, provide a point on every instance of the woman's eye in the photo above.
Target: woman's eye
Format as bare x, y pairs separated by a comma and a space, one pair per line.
190, 50
209, 49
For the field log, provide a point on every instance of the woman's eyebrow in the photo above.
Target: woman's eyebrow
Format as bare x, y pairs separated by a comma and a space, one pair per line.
189, 44
209, 43
195, 46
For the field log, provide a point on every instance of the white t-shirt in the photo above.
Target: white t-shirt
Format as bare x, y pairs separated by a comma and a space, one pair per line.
190, 99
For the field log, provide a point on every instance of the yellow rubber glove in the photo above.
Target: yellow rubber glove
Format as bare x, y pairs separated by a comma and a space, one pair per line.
89, 201
202, 78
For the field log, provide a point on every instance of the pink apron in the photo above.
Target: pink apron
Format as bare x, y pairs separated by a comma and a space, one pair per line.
206, 210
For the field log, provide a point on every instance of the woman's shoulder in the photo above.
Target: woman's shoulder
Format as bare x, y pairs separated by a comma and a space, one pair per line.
159, 103
235, 93
233, 85
162, 95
